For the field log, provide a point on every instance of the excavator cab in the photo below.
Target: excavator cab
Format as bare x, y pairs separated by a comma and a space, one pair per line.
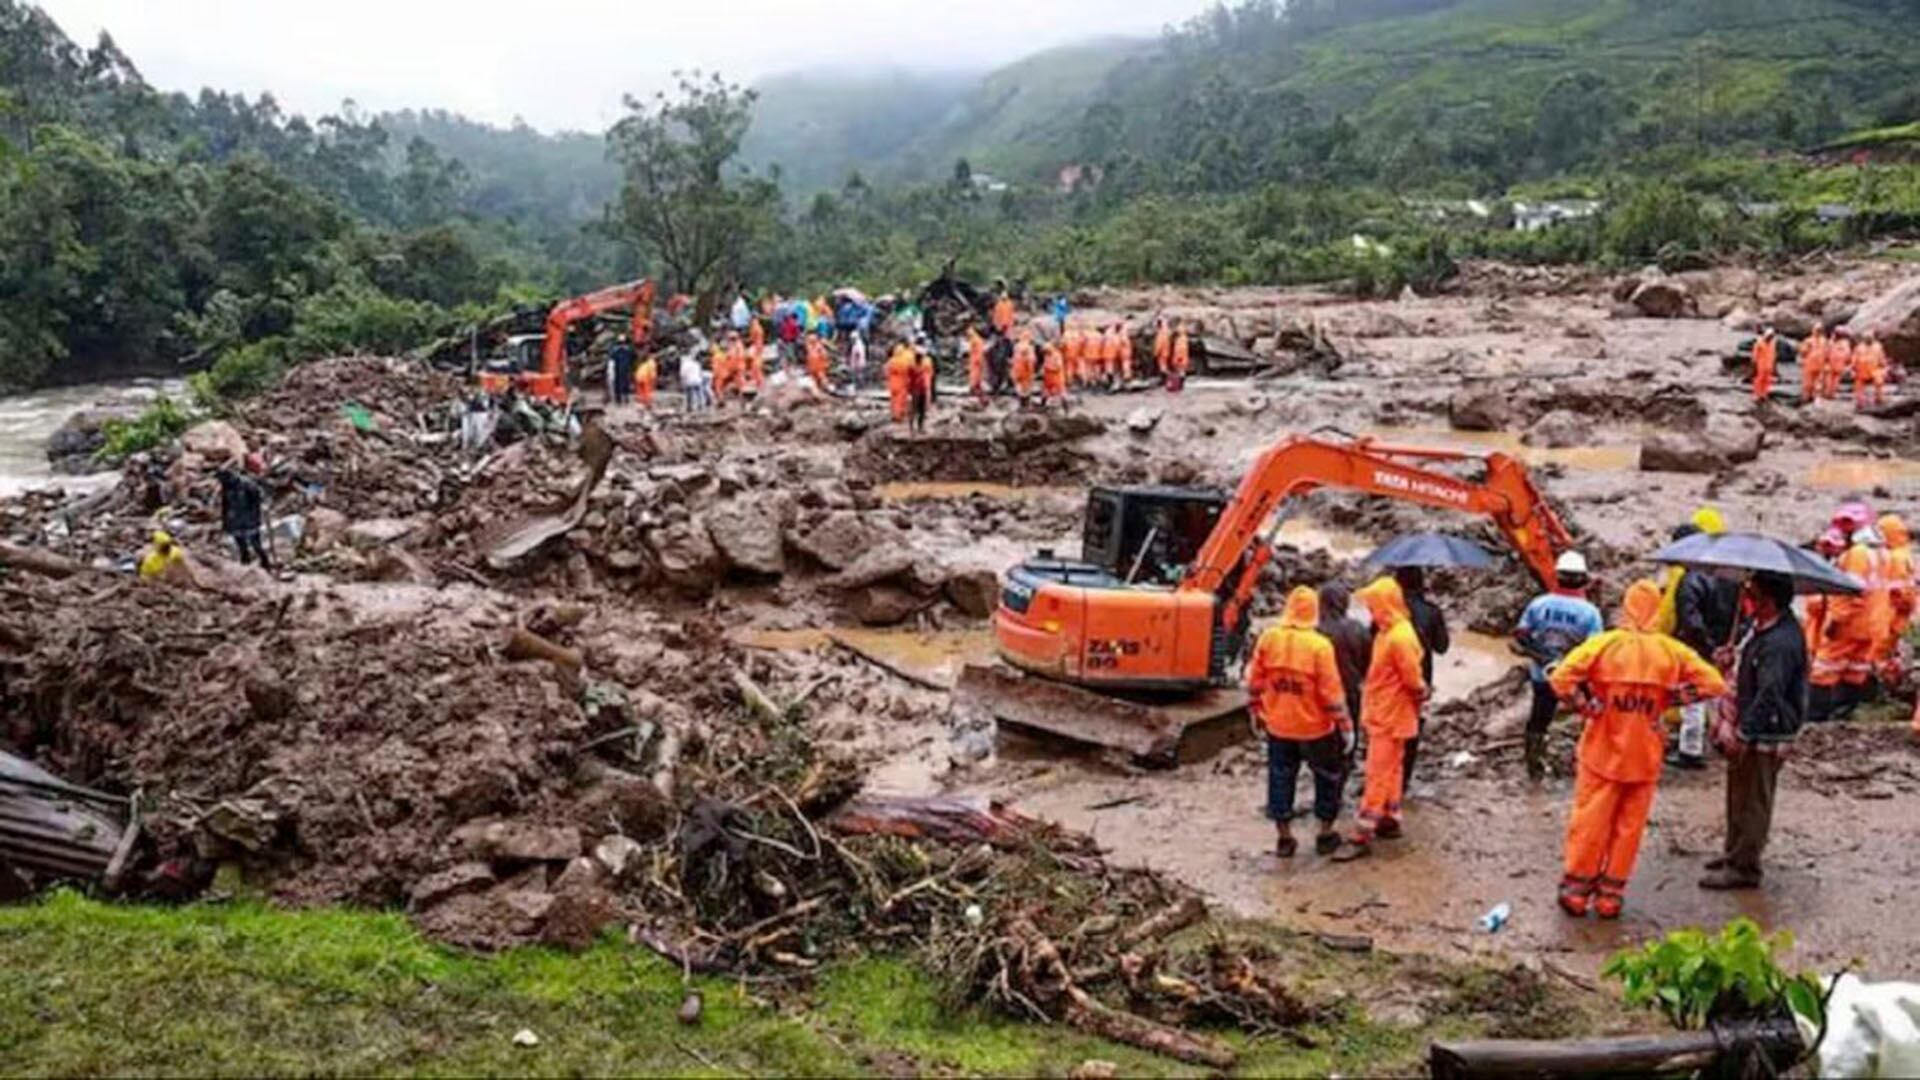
1148, 535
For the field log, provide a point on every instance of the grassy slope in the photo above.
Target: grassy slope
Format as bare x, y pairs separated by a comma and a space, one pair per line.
97, 989
819, 126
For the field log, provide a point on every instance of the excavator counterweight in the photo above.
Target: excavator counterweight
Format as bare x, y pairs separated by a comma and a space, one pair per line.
1142, 637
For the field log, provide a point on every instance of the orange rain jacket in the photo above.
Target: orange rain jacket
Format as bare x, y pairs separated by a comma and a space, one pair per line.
1073, 348
1631, 672
1293, 678
1023, 367
817, 361
1766, 358
1162, 347
1003, 314
1900, 581
645, 378
1390, 702
976, 361
1813, 365
1182, 353
899, 374
1126, 355
1053, 372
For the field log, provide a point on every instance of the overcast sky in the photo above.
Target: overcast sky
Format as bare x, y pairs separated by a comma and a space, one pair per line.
564, 63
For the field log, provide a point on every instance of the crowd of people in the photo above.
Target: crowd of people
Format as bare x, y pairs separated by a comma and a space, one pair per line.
1827, 359
1040, 363
1740, 664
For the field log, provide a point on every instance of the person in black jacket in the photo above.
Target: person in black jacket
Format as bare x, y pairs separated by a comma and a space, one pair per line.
242, 507
1704, 609
1352, 641
1771, 706
1430, 626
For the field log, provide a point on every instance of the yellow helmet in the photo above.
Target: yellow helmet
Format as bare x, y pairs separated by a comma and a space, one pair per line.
1709, 521
161, 538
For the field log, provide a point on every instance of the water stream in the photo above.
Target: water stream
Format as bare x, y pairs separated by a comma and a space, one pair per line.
27, 419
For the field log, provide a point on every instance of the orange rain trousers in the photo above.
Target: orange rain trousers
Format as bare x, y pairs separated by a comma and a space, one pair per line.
1765, 366
1603, 835
1386, 779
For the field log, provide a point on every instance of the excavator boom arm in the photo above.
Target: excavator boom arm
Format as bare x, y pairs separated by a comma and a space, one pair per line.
1229, 563
637, 295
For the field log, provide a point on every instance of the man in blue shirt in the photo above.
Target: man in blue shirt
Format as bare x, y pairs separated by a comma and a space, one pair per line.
1550, 627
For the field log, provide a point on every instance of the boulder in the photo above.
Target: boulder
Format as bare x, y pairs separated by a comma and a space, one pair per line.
81, 435
619, 855
874, 566
376, 532
686, 555
325, 528
1741, 321
1663, 298
396, 565
884, 605
1724, 441
1895, 317
1790, 321
1144, 419
974, 591
467, 877
1559, 428
519, 840
836, 541
215, 440
1481, 409
747, 533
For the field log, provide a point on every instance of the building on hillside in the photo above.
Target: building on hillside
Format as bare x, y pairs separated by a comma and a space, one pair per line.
1533, 217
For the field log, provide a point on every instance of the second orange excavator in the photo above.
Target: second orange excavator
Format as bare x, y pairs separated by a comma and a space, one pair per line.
1141, 638
544, 375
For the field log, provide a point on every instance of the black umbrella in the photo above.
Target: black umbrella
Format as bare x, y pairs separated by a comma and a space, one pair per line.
1430, 549
1740, 554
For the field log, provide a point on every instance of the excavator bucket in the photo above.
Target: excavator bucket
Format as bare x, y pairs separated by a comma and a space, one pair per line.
1154, 733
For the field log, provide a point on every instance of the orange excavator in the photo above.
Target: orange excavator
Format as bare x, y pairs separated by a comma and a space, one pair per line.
1140, 639
544, 375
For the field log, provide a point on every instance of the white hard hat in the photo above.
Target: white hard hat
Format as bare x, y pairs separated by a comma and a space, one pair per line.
1571, 562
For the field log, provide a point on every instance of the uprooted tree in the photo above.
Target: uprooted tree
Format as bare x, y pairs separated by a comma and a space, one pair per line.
685, 201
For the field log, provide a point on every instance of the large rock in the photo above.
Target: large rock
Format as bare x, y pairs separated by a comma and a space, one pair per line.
1725, 441
1894, 316
686, 555
1144, 419
884, 605
747, 533
974, 591
836, 542
81, 435
1663, 298
876, 565
215, 440
377, 532
1559, 428
1479, 410
520, 841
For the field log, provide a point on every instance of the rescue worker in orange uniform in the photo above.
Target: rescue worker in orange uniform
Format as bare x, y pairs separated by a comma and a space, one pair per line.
1898, 572
1073, 352
756, 342
1053, 376
1766, 363
1813, 364
1023, 365
1621, 681
1110, 355
817, 360
1162, 347
737, 363
645, 378
1839, 362
976, 364
1126, 354
752, 359
1182, 359
723, 373
1003, 313
899, 380
920, 386
1389, 711
1842, 672
1293, 683
1869, 373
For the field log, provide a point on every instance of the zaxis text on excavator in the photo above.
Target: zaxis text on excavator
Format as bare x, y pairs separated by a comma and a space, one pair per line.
1141, 638
545, 376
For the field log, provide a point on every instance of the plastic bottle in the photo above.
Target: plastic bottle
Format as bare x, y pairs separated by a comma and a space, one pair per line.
1493, 920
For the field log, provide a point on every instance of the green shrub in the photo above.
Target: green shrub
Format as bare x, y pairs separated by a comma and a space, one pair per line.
160, 423
1694, 978
239, 371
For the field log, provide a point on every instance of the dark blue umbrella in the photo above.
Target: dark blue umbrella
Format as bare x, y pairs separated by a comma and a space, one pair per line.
1740, 554
1430, 549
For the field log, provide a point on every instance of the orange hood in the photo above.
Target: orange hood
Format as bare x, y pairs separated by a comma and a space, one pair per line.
1385, 602
1303, 609
1895, 531
1641, 608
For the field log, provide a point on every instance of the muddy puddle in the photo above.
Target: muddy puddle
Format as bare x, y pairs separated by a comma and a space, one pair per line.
924, 491
1620, 454
1861, 474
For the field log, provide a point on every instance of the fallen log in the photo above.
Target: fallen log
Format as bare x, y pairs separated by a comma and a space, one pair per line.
1082, 1010
1172, 920
1681, 1052
951, 819
44, 563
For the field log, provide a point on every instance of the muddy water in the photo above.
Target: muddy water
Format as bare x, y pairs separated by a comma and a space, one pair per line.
1861, 474
1620, 455
921, 491
934, 656
27, 419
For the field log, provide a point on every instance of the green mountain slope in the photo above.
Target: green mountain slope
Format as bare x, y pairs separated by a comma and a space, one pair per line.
1478, 93
820, 126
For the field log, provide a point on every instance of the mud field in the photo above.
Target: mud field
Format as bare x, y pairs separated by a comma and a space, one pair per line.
404, 719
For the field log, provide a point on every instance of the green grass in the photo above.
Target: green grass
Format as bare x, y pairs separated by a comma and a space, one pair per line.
96, 989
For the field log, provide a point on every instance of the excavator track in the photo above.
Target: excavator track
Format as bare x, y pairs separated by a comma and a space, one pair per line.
1153, 733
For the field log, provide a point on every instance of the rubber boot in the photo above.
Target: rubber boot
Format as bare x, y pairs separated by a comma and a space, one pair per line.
1536, 752
1609, 897
1575, 896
